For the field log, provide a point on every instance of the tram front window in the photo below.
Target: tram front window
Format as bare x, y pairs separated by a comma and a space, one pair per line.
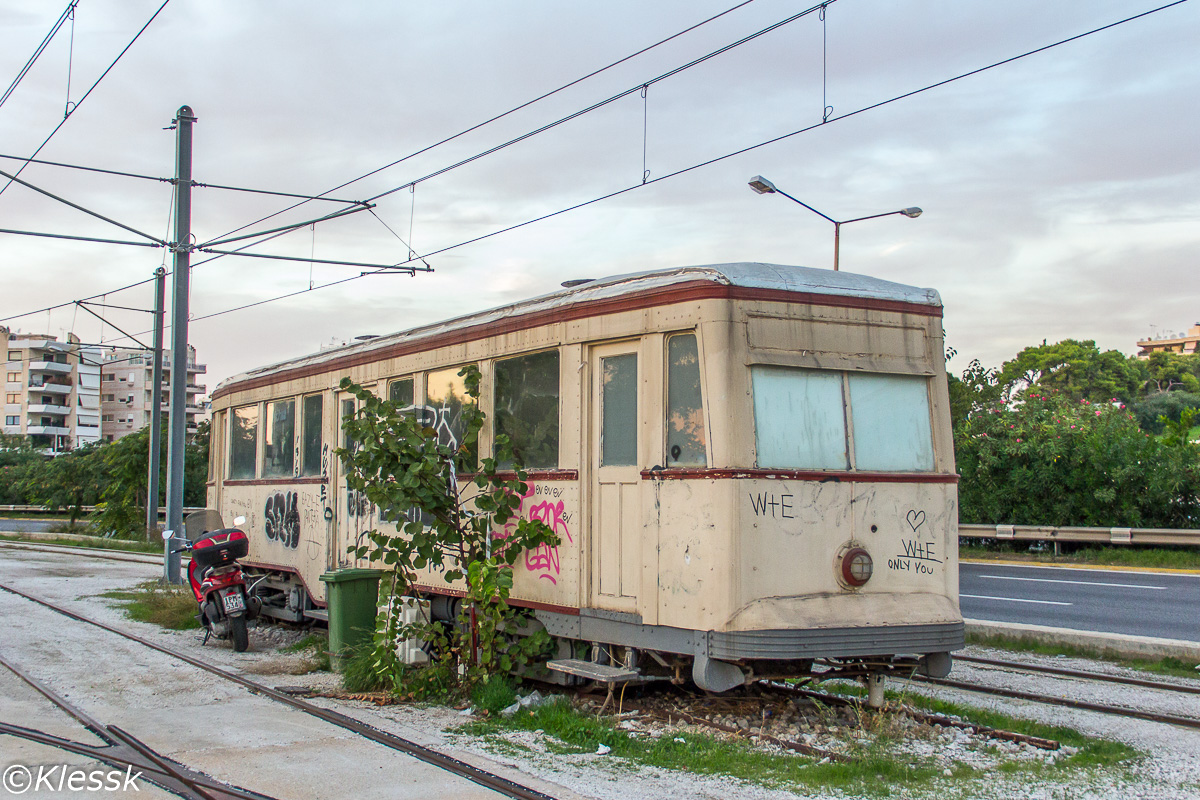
819, 419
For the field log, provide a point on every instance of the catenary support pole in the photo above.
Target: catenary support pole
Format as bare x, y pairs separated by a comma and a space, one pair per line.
177, 419
160, 287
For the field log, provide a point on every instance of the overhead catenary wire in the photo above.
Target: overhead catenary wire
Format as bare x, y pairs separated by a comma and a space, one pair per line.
705, 163
396, 162
726, 156
68, 13
643, 86
79, 102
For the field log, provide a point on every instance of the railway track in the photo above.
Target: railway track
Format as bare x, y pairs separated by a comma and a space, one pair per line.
1080, 674
122, 750
490, 780
1067, 702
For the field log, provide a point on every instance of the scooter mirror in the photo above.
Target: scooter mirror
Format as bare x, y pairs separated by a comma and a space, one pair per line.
166, 535
239, 521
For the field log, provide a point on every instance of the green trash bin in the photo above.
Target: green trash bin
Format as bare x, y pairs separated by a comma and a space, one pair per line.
352, 597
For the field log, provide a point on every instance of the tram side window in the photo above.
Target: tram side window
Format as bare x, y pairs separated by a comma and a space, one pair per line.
685, 411
799, 418
310, 439
243, 442
347, 411
526, 403
891, 422
279, 439
447, 398
400, 393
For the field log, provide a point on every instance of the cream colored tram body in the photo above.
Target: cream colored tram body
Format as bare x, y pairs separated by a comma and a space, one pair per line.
749, 466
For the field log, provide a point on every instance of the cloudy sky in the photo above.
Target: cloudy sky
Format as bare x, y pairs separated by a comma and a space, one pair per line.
1061, 192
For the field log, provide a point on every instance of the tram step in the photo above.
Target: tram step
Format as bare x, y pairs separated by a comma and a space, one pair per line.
593, 671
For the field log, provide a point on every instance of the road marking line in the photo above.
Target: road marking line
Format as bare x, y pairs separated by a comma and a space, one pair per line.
1076, 583
1016, 600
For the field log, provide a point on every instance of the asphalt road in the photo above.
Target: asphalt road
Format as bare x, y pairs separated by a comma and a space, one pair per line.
29, 525
1137, 603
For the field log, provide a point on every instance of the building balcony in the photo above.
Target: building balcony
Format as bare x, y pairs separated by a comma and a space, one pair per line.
51, 388
50, 366
45, 408
47, 430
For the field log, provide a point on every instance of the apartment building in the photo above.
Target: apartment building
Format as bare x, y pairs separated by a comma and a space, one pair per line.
126, 391
51, 390
1187, 343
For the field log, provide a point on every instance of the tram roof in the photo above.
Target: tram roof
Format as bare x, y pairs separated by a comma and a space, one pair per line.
746, 274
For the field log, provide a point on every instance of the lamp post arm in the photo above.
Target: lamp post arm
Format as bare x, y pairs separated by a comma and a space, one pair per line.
810, 208
873, 216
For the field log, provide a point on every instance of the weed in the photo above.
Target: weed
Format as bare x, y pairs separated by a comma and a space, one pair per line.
493, 695
316, 642
359, 673
171, 607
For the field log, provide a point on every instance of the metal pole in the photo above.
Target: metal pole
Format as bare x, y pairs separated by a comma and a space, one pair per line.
837, 243
160, 285
179, 334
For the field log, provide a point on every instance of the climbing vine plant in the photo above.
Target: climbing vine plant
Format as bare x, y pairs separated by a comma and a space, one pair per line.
464, 527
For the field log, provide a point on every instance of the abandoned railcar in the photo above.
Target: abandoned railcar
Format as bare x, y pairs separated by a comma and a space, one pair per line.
749, 466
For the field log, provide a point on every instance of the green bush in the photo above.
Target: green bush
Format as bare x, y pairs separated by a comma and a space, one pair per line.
1053, 461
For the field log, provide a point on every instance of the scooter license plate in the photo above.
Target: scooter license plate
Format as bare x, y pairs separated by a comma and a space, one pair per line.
233, 602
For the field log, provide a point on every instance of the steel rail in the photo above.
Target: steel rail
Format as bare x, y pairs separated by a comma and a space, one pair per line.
1083, 705
1079, 673
928, 718
68, 550
472, 773
118, 744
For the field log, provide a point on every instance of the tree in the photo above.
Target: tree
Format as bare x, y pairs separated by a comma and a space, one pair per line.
1058, 460
1074, 369
18, 459
1152, 411
126, 466
470, 533
977, 390
1168, 372
68, 481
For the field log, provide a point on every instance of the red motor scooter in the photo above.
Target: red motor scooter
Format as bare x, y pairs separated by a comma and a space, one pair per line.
216, 578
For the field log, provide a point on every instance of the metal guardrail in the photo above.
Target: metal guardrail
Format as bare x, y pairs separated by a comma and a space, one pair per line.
162, 512
1043, 533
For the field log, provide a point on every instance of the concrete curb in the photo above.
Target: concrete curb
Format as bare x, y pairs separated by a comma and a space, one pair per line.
1119, 644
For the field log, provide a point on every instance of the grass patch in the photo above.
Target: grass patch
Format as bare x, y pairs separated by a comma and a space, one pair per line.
871, 775
1092, 752
171, 607
1144, 557
1022, 644
104, 544
494, 695
358, 674
319, 644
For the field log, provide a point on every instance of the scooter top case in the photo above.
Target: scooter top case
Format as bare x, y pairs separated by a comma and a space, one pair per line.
220, 548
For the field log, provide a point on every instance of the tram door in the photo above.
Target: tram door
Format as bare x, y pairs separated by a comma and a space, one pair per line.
355, 514
616, 515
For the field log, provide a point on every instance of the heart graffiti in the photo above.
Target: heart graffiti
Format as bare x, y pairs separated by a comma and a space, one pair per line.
915, 519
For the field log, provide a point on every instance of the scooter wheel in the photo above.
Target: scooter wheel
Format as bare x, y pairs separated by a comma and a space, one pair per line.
237, 630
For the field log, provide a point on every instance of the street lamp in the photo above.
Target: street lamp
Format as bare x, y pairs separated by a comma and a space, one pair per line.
763, 186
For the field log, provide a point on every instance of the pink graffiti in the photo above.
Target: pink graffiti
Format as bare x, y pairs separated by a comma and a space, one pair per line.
543, 559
